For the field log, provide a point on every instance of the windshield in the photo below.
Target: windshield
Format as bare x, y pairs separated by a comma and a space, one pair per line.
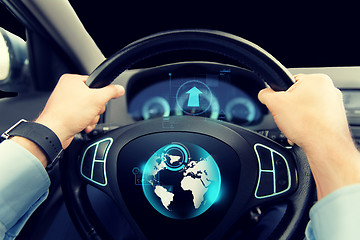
298, 36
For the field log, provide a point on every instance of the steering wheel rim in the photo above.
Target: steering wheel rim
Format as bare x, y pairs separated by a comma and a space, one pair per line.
229, 45
246, 53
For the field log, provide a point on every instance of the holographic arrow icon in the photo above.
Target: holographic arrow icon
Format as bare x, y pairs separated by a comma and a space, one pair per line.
194, 97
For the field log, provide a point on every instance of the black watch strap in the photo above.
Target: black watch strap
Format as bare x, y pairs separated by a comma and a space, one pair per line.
41, 135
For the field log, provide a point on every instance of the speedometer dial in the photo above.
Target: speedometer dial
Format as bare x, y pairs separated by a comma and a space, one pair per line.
240, 110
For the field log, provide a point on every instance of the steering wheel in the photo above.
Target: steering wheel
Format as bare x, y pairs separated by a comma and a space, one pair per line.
188, 177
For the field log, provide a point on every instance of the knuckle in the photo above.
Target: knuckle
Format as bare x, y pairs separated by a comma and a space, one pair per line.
339, 93
324, 78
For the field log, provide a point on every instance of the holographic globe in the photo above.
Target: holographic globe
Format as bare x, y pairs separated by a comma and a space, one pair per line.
181, 181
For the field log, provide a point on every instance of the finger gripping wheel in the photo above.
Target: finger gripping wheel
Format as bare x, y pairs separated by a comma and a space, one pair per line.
186, 152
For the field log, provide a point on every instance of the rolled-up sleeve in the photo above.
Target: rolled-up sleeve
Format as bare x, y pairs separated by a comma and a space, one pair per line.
336, 216
24, 186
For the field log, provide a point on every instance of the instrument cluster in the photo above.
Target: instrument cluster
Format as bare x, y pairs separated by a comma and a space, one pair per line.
223, 92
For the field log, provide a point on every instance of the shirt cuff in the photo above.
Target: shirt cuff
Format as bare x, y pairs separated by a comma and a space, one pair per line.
336, 216
24, 186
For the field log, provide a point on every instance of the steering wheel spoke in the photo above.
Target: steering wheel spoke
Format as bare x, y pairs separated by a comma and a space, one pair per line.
277, 167
93, 162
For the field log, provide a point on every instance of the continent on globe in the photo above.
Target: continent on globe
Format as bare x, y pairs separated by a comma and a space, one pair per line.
173, 159
165, 196
158, 166
196, 180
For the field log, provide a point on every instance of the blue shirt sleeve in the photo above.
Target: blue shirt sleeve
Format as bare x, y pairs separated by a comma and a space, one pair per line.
24, 186
336, 216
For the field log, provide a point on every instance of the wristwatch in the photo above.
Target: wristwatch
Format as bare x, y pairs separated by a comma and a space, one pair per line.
41, 135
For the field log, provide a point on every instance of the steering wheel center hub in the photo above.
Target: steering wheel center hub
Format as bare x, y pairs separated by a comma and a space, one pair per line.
179, 185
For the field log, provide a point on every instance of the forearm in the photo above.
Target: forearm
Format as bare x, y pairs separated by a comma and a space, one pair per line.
335, 163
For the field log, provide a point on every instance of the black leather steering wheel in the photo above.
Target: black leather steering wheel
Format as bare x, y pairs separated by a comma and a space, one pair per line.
251, 170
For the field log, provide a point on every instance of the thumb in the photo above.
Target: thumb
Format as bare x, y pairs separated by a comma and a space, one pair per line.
274, 101
111, 91
265, 96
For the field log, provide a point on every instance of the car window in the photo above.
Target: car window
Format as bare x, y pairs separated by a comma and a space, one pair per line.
4, 60
14, 69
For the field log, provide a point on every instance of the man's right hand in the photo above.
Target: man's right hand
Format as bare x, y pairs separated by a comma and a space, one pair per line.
311, 114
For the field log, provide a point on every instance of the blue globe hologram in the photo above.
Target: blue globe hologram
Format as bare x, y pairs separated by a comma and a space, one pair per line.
181, 181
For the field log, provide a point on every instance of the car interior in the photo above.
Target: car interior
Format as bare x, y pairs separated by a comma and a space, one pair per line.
188, 152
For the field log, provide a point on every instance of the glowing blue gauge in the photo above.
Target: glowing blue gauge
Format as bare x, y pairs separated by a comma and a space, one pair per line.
156, 107
240, 110
179, 186
195, 98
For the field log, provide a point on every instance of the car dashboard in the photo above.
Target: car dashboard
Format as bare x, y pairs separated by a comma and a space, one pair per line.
213, 91
210, 90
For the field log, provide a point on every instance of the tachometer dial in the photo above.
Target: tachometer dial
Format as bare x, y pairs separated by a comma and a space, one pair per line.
156, 107
240, 110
